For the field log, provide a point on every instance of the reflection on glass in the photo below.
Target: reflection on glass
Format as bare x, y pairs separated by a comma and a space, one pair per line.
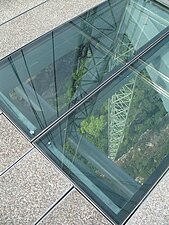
114, 144
42, 80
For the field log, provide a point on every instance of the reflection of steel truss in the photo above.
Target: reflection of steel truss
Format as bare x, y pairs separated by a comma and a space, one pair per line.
118, 105
95, 60
118, 109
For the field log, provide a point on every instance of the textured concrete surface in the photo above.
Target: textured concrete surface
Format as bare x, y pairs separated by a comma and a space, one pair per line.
12, 144
29, 189
165, 2
74, 209
154, 210
38, 21
9, 9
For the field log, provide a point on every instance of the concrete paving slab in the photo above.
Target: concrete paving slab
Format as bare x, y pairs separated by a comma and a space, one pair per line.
10, 9
12, 144
154, 210
74, 209
165, 2
38, 21
29, 188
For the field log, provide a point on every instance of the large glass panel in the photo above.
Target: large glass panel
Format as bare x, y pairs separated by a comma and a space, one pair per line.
115, 145
43, 80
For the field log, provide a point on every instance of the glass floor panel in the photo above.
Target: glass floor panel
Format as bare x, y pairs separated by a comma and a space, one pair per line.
115, 145
93, 95
54, 72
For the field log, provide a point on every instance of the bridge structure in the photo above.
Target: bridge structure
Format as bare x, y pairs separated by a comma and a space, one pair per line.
130, 34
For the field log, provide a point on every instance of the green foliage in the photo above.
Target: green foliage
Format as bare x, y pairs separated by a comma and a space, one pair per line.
94, 128
80, 71
145, 112
93, 125
142, 163
65, 98
69, 148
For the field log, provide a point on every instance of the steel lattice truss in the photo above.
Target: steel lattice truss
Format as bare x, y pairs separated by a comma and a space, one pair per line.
119, 103
118, 109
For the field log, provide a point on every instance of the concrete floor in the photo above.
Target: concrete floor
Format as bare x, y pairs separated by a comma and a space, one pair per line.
37, 21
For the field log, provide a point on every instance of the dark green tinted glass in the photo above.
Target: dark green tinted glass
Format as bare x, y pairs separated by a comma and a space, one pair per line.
54, 72
115, 145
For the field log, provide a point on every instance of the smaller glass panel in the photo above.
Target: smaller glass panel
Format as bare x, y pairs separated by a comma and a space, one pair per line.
115, 145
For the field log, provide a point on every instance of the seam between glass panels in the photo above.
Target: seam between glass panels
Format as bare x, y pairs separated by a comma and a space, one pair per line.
102, 85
